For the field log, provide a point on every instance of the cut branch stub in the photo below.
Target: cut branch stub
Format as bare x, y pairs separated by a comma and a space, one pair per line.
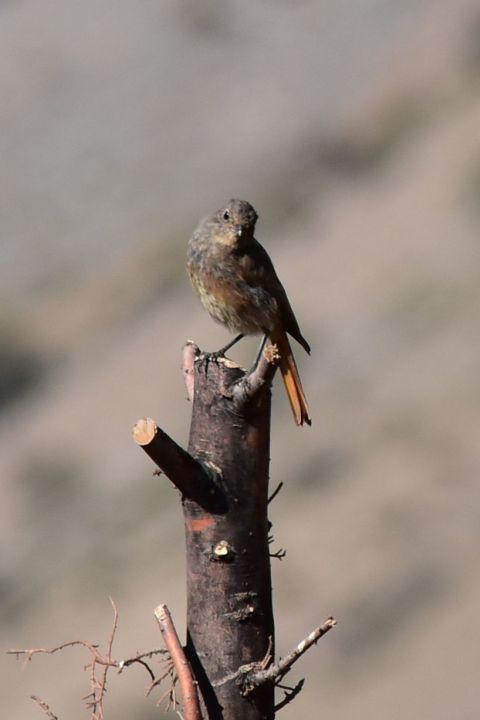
192, 478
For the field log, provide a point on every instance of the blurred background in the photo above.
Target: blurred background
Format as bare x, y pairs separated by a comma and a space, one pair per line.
354, 129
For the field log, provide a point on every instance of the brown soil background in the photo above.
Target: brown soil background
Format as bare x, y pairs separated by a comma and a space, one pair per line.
354, 128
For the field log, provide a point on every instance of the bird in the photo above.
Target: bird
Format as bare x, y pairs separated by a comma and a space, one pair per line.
236, 282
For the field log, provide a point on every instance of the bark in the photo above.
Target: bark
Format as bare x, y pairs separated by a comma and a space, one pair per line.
229, 606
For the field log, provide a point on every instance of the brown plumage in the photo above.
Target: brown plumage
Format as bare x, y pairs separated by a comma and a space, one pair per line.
237, 284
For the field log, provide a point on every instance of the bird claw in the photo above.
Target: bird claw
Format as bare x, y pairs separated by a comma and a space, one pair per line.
205, 358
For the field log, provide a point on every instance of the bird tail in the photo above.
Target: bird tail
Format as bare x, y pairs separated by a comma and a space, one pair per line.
291, 379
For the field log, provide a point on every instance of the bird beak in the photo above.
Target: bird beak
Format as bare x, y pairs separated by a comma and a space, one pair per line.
238, 231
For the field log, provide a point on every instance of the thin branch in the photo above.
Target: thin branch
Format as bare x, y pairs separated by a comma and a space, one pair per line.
170, 693
41, 703
99, 687
184, 673
250, 676
99, 658
188, 475
268, 657
30, 652
280, 668
140, 662
275, 492
278, 554
138, 658
237, 676
157, 681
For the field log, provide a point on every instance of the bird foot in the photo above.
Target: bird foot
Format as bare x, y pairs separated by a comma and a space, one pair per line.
205, 358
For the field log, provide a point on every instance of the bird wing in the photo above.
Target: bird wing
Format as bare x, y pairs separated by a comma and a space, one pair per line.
259, 272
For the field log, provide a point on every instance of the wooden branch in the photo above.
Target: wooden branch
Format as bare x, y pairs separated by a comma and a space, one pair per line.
277, 670
275, 492
98, 683
43, 705
138, 658
193, 479
258, 379
99, 687
191, 352
251, 676
191, 706
93, 649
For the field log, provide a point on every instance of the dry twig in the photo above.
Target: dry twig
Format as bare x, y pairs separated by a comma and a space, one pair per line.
277, 670
250, 676
41, 703
275, 492
98, 681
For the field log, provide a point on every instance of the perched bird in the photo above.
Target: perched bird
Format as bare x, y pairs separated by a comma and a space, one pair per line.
237, 284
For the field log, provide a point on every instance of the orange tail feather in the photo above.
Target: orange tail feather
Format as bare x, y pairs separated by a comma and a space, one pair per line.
291, 379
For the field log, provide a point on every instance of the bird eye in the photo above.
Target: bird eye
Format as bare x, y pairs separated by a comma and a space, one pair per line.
226, 215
